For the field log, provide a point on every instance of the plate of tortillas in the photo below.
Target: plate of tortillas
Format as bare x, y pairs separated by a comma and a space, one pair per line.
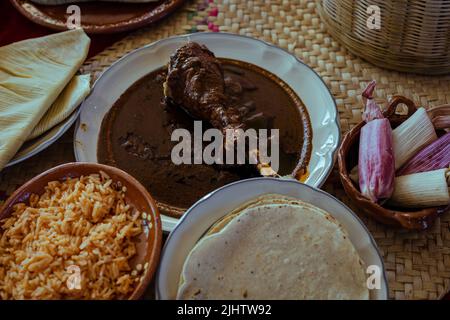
266, 239
97, 16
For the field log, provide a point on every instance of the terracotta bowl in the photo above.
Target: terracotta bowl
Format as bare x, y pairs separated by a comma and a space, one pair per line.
99, 17
148, 243
419, 219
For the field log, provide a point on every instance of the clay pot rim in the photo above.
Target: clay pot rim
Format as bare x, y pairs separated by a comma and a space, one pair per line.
145, 18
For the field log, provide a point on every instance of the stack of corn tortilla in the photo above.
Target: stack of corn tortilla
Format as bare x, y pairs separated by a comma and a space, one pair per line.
274, 247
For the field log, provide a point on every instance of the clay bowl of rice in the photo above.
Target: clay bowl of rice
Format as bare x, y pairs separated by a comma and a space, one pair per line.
79, 231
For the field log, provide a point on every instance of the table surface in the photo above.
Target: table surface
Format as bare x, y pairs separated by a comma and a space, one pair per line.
14, 27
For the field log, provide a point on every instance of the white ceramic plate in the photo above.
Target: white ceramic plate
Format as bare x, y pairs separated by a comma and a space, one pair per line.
302, 79
203, 214
32, 147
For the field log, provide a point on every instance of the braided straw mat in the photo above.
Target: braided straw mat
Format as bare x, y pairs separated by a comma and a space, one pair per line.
417, 263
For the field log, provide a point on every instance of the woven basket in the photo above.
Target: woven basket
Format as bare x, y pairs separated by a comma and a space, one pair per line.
413, 35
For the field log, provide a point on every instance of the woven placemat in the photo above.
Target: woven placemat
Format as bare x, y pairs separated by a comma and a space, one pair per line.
417, 263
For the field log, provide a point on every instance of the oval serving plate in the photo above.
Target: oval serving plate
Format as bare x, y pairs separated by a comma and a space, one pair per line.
99, 17
214, 206
302, 79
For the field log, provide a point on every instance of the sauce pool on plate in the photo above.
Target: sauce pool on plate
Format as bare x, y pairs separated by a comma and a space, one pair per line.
136, 134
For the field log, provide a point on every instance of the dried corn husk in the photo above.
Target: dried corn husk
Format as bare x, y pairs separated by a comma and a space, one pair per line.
372, 110
432, 157
411, 136
376, 164
375, 161
32, 75
421, 190
71, 97
441, 122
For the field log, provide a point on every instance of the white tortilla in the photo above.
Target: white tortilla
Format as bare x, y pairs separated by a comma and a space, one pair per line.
289, 250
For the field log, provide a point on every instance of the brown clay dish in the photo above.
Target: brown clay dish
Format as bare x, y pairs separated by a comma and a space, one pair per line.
348, 159
149, 243
99, 17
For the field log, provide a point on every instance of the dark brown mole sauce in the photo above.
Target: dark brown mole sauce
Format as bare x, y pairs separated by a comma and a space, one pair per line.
136, 133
